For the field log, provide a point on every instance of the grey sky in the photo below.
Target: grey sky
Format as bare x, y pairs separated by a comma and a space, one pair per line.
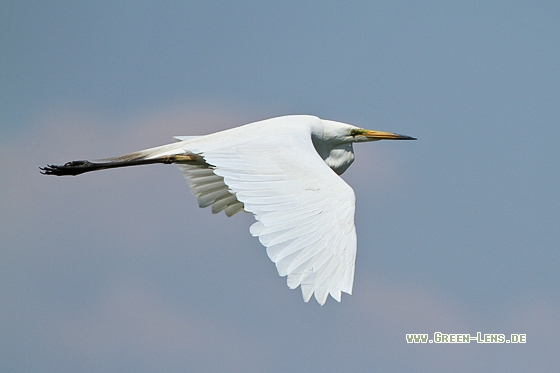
116, 271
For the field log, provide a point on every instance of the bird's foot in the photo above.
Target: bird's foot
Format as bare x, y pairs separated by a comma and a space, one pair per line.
71, 168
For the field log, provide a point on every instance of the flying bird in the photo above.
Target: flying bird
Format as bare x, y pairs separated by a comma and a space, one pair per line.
284, 171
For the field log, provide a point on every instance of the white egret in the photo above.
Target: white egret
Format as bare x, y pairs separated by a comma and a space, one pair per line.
285, 171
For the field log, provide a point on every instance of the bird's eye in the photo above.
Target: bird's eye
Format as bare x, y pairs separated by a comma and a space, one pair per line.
356, 132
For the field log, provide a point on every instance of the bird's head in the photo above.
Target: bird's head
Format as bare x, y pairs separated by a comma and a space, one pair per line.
347, 133
334, 142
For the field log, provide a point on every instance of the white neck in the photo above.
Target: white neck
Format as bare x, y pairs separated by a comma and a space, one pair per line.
337, 156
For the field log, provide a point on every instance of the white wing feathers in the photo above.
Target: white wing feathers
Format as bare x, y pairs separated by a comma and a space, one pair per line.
210, 189
304, 211
207, 187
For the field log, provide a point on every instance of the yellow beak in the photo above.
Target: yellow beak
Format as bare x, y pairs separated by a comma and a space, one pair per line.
380, 135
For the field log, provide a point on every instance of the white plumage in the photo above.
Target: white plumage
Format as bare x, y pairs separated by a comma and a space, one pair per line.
284, 171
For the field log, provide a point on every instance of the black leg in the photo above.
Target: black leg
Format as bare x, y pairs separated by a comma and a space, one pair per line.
79, 167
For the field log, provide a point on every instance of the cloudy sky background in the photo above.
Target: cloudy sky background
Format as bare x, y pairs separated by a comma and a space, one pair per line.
119, 270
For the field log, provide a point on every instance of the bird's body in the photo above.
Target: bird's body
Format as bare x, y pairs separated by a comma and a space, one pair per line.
281, 170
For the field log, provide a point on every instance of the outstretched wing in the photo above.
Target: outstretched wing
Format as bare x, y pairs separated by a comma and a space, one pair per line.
304, 211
